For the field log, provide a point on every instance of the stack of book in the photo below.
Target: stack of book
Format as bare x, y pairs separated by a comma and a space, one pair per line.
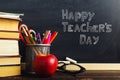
10, 59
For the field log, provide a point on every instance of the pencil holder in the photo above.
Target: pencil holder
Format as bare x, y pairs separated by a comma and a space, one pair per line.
31, 51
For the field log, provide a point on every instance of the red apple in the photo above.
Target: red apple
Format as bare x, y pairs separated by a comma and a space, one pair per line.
45, 65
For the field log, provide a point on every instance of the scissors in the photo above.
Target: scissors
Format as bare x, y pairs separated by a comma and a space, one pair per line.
27, 35
23, 32
33, 35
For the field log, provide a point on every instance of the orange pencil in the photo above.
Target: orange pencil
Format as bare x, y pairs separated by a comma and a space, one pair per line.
53, 36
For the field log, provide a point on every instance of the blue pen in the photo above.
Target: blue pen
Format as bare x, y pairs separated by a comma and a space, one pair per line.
39, 41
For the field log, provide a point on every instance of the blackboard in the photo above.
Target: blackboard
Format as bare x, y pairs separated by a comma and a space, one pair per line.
89, 30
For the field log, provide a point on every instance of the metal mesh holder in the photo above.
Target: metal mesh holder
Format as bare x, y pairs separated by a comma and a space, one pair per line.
31, 53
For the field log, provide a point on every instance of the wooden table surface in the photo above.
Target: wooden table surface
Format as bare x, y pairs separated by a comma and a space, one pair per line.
87, 75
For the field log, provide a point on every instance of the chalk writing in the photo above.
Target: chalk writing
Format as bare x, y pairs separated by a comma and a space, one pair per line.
86, 27
84, 39
66, 15
82, 24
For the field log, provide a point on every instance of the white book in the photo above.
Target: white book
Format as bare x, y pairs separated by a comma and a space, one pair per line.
9, 47
10, 15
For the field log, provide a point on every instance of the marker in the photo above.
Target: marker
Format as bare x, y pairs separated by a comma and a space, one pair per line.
53, 36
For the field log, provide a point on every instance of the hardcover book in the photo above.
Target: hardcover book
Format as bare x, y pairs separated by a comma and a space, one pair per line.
9, 34
9, 47
10, 70
9, 21
10, 60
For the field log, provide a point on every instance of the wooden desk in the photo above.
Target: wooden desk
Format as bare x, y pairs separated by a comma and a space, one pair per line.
87, 75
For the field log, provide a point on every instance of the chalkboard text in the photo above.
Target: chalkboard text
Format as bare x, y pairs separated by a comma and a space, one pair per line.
81, 22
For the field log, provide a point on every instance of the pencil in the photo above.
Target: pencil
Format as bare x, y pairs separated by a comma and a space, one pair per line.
53, 36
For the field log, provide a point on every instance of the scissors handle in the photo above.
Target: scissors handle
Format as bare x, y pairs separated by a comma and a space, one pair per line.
33, 35
23, 31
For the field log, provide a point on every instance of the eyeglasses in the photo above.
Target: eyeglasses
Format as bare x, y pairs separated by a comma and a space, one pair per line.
71, 68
